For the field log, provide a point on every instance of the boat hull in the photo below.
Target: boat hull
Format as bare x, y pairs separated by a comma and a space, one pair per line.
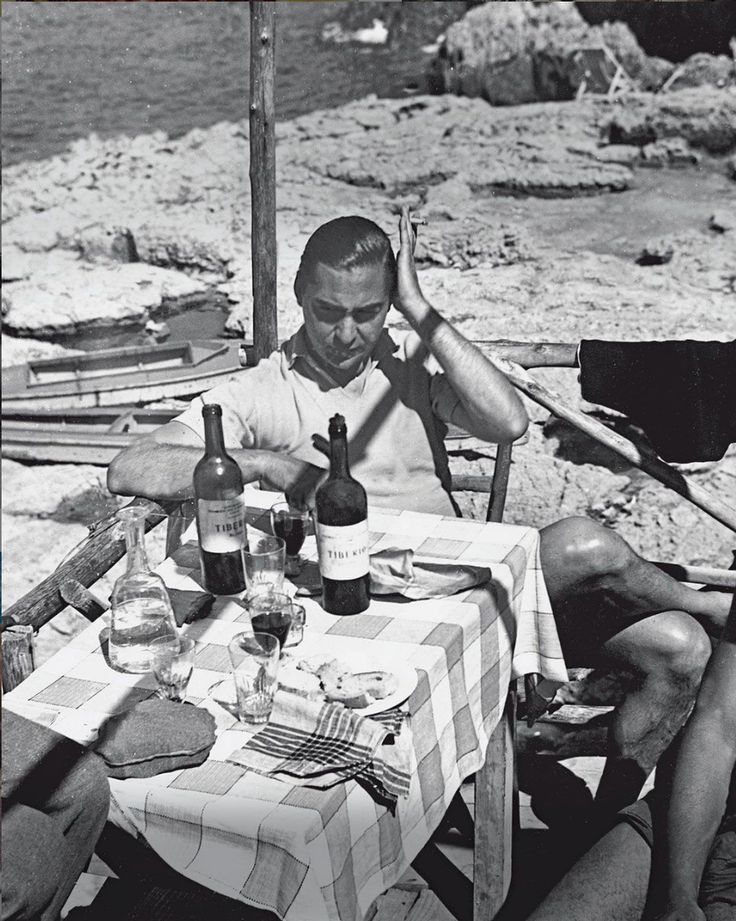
122, 376
85, 436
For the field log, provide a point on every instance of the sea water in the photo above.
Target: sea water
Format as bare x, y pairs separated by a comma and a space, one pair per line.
135, 625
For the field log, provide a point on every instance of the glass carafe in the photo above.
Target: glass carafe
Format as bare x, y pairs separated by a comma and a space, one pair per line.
141, 609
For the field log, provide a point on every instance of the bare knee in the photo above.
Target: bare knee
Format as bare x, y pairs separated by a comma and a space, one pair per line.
683, 648
584, 550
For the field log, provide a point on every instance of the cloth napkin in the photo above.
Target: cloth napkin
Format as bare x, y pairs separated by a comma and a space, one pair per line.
153, 737
318, 744
395, 572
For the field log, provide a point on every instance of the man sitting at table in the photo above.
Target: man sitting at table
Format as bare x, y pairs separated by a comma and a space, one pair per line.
396, 393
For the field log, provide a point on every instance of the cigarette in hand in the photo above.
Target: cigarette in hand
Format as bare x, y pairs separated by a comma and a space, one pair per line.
416, 221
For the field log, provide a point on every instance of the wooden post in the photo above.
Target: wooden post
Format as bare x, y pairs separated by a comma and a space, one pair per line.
263, 177
17, 652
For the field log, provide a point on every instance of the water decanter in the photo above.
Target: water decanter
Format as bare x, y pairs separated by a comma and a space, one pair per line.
141, 608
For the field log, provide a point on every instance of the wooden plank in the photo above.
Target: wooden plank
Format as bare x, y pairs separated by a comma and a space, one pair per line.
104, 546
394, 905
263, 177
650, 464
17, 653
428, 908
494, 819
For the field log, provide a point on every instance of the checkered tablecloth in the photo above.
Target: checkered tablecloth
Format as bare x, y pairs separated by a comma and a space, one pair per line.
301, 852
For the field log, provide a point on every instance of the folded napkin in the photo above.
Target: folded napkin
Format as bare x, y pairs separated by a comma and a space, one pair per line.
153, 737
320, 744
394, 571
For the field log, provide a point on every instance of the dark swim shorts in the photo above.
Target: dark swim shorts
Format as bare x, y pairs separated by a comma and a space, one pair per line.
718, 887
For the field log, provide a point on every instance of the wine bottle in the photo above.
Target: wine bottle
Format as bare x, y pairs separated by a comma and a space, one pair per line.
218, 490
342, 531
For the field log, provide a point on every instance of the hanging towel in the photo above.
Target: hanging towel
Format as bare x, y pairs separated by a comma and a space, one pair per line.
682, 394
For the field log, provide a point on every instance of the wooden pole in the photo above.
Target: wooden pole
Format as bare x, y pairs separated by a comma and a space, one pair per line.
263, 177
652, 465
532, 354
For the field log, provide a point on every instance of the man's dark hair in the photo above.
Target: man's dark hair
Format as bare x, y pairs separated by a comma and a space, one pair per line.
345, 243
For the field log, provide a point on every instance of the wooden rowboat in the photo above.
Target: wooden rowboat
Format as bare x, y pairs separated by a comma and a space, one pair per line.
81, 436
133, 374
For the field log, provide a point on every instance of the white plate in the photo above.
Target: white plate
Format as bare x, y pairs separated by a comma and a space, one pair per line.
360, 660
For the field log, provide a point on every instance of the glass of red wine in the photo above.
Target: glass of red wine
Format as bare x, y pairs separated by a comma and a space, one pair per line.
270, 612
291, 525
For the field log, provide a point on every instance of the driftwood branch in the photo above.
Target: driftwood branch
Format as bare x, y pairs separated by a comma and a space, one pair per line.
104, 546
263, 177
652, 465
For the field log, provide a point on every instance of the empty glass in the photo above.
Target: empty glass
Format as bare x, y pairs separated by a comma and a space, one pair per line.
255, 663
264, 564
296, 630
172, 660
291, 525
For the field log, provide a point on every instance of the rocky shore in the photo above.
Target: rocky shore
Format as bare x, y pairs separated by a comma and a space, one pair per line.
553, 221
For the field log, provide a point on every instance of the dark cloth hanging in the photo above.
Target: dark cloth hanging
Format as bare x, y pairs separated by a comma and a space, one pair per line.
682, 394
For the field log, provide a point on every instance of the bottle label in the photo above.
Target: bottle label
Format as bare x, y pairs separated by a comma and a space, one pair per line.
343, 551
221, 524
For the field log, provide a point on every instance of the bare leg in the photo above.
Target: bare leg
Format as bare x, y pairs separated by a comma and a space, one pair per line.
581, 558
613, 608
608, 883
667, 653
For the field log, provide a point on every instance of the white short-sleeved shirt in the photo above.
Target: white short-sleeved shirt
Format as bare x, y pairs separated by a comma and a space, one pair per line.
395, 411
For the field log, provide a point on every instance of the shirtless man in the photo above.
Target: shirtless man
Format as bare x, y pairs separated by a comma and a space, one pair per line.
397, 393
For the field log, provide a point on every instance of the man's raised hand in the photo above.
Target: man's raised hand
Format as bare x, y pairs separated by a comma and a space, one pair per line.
408, 293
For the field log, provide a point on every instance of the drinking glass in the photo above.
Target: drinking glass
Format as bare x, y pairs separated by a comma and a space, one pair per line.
172, 660
296, 630
291, 525
270, 612
255, 663
264, 564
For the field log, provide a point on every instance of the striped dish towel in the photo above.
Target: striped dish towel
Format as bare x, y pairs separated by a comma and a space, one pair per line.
316, 744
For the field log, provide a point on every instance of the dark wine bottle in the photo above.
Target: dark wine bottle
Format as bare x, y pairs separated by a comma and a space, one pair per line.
218, 490
342, 531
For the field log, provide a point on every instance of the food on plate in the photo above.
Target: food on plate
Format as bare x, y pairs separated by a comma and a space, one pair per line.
302, 683
337, 681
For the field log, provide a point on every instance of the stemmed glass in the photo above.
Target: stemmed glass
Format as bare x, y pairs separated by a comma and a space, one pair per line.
291, 525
